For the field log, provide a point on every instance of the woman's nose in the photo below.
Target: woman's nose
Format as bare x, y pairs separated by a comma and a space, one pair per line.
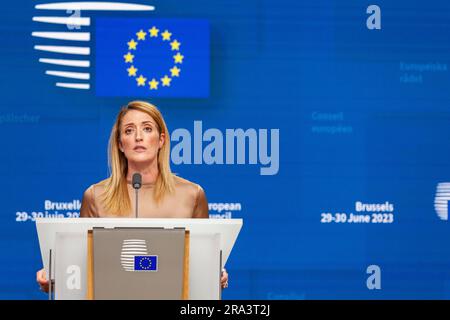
138, 135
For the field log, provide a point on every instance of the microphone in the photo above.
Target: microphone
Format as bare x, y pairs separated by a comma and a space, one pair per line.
137, 183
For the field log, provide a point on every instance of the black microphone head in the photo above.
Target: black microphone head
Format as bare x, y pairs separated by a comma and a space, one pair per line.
137, 180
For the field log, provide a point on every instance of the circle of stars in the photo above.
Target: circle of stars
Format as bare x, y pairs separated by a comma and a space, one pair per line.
142, 80
145, 263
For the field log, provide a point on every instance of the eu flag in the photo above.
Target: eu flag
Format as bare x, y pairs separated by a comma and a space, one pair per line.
152, 57
146, 263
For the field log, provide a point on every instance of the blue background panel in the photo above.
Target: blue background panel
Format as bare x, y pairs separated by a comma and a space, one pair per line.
362, 115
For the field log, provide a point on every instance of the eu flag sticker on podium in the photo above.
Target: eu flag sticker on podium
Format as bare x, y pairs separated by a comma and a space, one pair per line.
146, 263
152, 58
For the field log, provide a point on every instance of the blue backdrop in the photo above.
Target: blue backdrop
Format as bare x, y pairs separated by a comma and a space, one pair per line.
340, 168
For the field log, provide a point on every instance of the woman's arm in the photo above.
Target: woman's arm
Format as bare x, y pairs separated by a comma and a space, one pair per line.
88, 209
201, 205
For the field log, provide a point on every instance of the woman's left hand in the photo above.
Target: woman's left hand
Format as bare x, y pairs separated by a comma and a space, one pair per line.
224, 279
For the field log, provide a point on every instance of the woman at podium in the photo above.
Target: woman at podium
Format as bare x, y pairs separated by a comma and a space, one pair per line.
140, 144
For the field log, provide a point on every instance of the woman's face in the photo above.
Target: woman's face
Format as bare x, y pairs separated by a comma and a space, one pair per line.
140, 139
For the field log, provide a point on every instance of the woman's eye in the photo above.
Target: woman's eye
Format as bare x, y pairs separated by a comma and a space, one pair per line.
128, 131
148, 129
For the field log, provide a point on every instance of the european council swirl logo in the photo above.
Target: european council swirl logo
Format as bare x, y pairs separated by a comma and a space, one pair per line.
134, 256
441, 200
147, 57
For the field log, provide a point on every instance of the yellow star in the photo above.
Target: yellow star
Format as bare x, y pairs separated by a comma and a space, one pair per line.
153, 32
166, 81
128, 57
178, 58
132, 45
175, 72
175, 45
166, 35
153, 84
132, 71
141, 35
141, 81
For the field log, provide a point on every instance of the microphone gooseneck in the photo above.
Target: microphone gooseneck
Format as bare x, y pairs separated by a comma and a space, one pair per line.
137, 183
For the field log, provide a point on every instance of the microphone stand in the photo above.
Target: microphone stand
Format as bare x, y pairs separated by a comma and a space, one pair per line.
137, 192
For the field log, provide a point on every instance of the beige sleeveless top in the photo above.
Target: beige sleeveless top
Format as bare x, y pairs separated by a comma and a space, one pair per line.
187, 201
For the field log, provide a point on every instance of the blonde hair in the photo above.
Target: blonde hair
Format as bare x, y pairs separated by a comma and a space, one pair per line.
116, 199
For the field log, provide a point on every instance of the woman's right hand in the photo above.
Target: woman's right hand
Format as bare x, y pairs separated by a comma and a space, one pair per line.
42, 280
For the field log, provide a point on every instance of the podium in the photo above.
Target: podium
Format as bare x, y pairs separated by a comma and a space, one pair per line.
126, 258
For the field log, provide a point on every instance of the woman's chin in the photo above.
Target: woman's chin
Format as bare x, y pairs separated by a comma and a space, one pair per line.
140, 159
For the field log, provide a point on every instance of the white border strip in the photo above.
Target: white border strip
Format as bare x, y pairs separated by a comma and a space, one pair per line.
81, 86
64, 20
72, 36
65, 49
71, 75
97, 6
70, 63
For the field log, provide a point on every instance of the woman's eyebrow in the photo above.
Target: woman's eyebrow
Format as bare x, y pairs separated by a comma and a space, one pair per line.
143, 122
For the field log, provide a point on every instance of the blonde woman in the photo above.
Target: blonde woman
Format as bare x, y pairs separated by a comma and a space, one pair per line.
140, 143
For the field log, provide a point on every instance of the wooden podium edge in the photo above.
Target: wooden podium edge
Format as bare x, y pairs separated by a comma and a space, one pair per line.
185, 290
90, 266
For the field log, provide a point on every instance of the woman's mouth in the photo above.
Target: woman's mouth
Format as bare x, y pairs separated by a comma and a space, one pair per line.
140, 149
